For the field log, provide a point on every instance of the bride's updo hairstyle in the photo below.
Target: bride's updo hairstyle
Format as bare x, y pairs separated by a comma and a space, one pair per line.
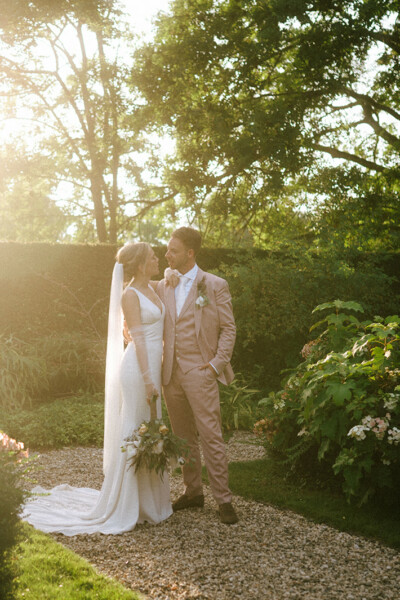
132, 256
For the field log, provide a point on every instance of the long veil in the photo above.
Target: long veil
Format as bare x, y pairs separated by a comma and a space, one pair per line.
115, 350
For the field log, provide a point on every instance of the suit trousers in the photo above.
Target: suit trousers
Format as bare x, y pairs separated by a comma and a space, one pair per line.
192, 401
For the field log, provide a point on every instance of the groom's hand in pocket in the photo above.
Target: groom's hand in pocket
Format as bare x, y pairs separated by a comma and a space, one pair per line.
210, 368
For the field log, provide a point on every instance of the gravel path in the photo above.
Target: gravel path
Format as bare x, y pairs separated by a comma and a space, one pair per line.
270, 554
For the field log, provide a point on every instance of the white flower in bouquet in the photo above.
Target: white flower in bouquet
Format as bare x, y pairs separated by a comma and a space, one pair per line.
163, 429
154, 447
131, 449
176, 462
159, 447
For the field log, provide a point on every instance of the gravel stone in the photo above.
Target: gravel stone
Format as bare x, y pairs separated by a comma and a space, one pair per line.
270, 554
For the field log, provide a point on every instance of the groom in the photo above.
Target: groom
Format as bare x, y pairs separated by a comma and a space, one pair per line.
199, 335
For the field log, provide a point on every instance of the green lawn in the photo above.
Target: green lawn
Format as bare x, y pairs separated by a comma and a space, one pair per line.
263, 481
48, 571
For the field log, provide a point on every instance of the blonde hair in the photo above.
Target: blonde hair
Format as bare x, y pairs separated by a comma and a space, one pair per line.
132, 256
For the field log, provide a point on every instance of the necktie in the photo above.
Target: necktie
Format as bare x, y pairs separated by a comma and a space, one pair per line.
180, 296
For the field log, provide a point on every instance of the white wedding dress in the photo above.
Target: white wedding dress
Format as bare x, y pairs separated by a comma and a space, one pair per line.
126, 498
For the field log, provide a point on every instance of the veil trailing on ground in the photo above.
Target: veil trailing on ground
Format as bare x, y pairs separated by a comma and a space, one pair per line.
115, 350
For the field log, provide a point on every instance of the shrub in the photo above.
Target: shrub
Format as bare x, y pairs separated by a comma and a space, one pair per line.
23, 375
12, 457
341, 406
273, 297
76, 421
238, 404
74, 363
32, 373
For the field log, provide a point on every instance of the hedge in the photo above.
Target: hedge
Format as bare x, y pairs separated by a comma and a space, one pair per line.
55, 289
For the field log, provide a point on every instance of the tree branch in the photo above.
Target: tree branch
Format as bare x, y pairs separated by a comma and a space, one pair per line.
386, 38
379, 130
364, 99
151, 204
335, 153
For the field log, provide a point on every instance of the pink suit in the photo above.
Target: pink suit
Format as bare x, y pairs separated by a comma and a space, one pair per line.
199, 335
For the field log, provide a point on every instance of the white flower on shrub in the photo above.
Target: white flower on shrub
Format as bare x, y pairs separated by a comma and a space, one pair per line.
391, 401
279, 404
377, 425
358, 432
385, 461
303, 432
394, 436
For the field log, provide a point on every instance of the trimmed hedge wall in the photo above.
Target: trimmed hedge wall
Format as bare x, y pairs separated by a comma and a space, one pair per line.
55, 289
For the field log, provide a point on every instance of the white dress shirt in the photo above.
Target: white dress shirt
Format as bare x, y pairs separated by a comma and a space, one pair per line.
183, 288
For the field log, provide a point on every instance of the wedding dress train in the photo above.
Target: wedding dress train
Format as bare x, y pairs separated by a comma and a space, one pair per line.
126, 498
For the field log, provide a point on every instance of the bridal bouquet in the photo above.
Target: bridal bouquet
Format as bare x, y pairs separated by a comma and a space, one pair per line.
153, 446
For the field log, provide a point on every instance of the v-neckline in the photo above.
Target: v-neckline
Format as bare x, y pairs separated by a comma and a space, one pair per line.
153, 303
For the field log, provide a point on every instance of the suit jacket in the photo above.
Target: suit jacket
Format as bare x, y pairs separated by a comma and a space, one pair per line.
214, 324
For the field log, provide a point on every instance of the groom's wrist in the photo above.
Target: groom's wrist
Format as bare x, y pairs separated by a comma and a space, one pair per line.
215, 369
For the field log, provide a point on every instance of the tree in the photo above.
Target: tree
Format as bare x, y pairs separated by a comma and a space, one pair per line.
259, 94
27, 211
63, 69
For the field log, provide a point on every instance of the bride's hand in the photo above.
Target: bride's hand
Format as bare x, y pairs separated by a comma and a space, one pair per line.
151, 393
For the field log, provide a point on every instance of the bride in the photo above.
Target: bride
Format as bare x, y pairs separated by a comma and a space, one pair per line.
133, 378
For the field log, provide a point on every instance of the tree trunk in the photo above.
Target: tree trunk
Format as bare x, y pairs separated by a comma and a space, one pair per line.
96, 187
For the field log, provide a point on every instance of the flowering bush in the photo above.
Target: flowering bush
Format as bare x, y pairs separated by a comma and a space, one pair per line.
341, 406
12, 467
153, 446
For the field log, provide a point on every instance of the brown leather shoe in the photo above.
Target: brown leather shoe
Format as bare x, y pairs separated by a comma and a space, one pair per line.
185, 501
227, 514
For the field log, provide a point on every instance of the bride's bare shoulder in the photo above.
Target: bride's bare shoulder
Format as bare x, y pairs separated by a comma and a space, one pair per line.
129, 295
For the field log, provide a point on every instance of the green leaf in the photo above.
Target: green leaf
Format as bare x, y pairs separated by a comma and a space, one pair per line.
340, 392
391, 320
340, 305
324, 447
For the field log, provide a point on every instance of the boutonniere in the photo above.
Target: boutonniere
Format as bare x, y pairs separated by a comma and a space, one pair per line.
171, 277
202, 299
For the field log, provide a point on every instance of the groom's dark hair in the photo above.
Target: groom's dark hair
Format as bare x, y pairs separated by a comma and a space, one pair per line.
188, 236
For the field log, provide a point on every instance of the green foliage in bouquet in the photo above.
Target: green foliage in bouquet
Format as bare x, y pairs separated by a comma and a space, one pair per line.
340, 408
13, 459
154, 447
